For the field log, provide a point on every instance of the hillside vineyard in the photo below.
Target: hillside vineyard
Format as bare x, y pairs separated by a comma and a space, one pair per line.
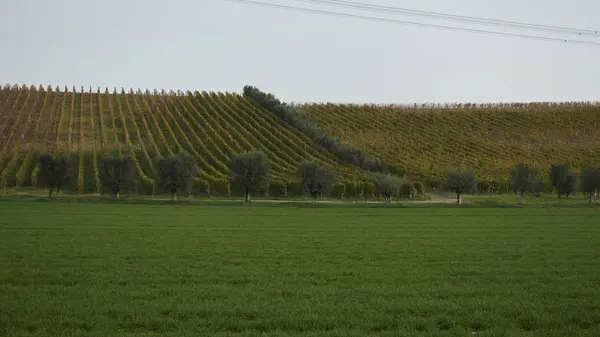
210, 126
425, 141
491, 138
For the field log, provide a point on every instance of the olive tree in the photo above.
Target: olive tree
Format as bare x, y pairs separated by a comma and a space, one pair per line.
407, 189
53, 172
563, 179
522, 177
250, 171
315, 180
117, 174
461, 180
385, 185
175, 172
590, 182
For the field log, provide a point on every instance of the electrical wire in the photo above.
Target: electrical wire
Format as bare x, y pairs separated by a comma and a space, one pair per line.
420, 24
460, 18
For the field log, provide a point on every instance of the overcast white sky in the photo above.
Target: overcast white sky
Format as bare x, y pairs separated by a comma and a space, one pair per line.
222, 46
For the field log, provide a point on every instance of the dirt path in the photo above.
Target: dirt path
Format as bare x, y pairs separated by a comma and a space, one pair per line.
436, 200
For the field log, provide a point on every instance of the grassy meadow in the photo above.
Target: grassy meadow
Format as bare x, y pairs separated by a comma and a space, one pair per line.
102, 269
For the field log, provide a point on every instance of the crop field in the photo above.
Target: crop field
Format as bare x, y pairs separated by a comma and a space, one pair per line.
424, 141
77, 269
490, 138
211, 126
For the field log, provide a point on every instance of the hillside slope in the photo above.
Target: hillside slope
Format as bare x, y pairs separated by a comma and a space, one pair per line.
211, 126
491, 138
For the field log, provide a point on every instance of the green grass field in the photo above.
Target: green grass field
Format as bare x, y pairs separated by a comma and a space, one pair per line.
91, 269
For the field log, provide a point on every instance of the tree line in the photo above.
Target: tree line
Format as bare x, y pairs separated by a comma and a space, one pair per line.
250, 173
525, 178
344, 152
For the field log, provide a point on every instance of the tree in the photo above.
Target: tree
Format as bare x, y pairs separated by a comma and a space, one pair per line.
590, 182
461, 180
314, 179
250, 171
117, 174
385, 185
563, 179
419, 188
407, 188
54, 172
522, 178
175, 172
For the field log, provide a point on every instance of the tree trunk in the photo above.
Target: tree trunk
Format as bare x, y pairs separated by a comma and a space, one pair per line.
592, 197
173, 196
116, 194
50, 192
247, 196
522, 199
459, 198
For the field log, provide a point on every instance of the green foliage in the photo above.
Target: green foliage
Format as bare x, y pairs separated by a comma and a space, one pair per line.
345, 152
314, 179
174, 173
461, 180
250, 172
54, 172
117, 174
407, 189
353, 189
419, 188
213, 125
522, 178
563, 179
434, 183
590, 181
385, 185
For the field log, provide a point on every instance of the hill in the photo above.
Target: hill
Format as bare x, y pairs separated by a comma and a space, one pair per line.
355, 140
428, 139
210, 125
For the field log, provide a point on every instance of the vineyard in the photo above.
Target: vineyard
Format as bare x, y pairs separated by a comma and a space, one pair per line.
210, 126
423, 141
427, 140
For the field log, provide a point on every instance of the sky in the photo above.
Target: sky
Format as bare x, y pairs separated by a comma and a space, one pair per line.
215, 45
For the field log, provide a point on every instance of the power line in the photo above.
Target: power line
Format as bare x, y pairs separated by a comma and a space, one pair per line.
377, 19
460, 18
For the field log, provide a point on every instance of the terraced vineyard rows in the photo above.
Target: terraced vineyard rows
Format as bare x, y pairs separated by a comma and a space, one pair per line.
87, 124
491, 138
